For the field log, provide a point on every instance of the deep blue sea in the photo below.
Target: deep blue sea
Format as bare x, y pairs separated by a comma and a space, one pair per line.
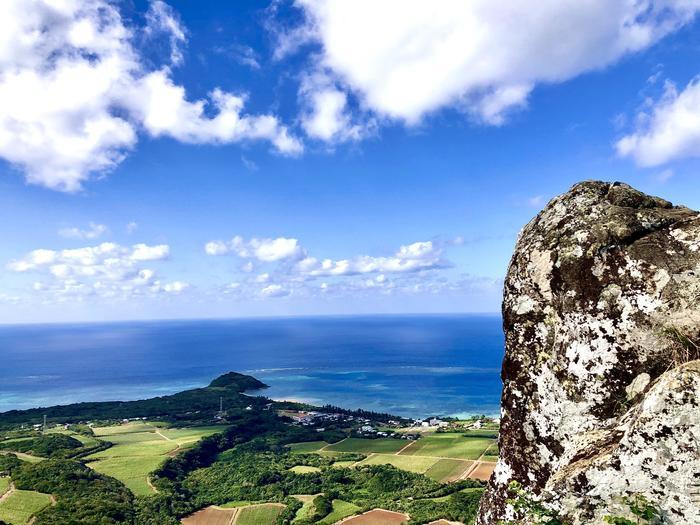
407, 365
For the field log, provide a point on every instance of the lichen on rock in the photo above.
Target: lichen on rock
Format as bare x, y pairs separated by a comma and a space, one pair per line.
601, 315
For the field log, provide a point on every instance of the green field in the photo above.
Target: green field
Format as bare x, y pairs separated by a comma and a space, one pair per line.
449, 445
445, 469
4, 485
21, 505
307, 509
139, 449
25, 457
341, 509
123, 429
303, 469
343, 464
417, 464
307, 447
259, 514
368, 446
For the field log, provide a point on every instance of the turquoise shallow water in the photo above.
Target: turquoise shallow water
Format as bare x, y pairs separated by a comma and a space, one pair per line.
407, 365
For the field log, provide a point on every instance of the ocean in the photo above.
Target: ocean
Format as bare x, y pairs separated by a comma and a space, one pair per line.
414, 366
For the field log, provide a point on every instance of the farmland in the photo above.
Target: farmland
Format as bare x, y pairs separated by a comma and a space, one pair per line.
258, 514
367, 446
18, 506
449, 445
442, 456
418, 464
341, 509
139, 449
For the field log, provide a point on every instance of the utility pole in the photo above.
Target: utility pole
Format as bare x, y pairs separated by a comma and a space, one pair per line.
44, 429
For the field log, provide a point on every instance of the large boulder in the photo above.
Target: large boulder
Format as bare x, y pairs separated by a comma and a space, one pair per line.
601, 398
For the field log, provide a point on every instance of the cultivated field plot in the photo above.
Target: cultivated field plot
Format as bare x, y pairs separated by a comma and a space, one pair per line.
307, 447
304, 469
449, 445
483, 471
446, 470
18, 506
417, 464
211, 516
343, 464
368, 446
341, 509
141, 448
265, 514
377, 517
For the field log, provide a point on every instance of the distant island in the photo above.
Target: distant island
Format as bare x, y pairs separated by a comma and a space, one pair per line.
218, 454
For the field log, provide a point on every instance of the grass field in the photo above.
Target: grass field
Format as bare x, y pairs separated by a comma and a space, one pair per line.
139, 449
410, 463
303, 469
307, 509
341, 509
21, 505
265, 514
448, 469
368, 446
4, 485
449, 445
308, 447
25, 457
343, 464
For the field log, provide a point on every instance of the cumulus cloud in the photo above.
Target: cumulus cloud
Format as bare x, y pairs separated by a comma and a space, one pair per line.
274, 290
92, 232
668, 130
409, 258
404, 60
75, 92
266, 250
326, 115
105, 270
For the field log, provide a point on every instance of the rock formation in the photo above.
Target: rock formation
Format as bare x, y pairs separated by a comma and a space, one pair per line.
601, 397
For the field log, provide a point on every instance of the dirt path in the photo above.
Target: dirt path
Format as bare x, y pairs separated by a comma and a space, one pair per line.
7, 493
404, 448
329, 444
476, 464
150, 485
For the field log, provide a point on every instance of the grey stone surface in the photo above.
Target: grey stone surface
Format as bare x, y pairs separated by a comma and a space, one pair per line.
602, 317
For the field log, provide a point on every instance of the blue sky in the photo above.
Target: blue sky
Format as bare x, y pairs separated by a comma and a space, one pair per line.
345, 158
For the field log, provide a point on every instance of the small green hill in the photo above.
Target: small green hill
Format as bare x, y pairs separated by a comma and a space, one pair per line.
44, 446
237, 382
187, 407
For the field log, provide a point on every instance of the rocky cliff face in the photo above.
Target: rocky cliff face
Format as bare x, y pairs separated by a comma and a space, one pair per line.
601, 380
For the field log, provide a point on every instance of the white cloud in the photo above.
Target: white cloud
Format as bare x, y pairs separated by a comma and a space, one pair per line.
406, 59
409, 258
105, 270
131, 227
143, 252
161, 18
326, 115
93, 231
175, 287
274, 290
265, 250
668, 131
75, 92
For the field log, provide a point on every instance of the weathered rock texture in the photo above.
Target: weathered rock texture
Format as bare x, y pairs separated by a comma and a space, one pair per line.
601, 388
